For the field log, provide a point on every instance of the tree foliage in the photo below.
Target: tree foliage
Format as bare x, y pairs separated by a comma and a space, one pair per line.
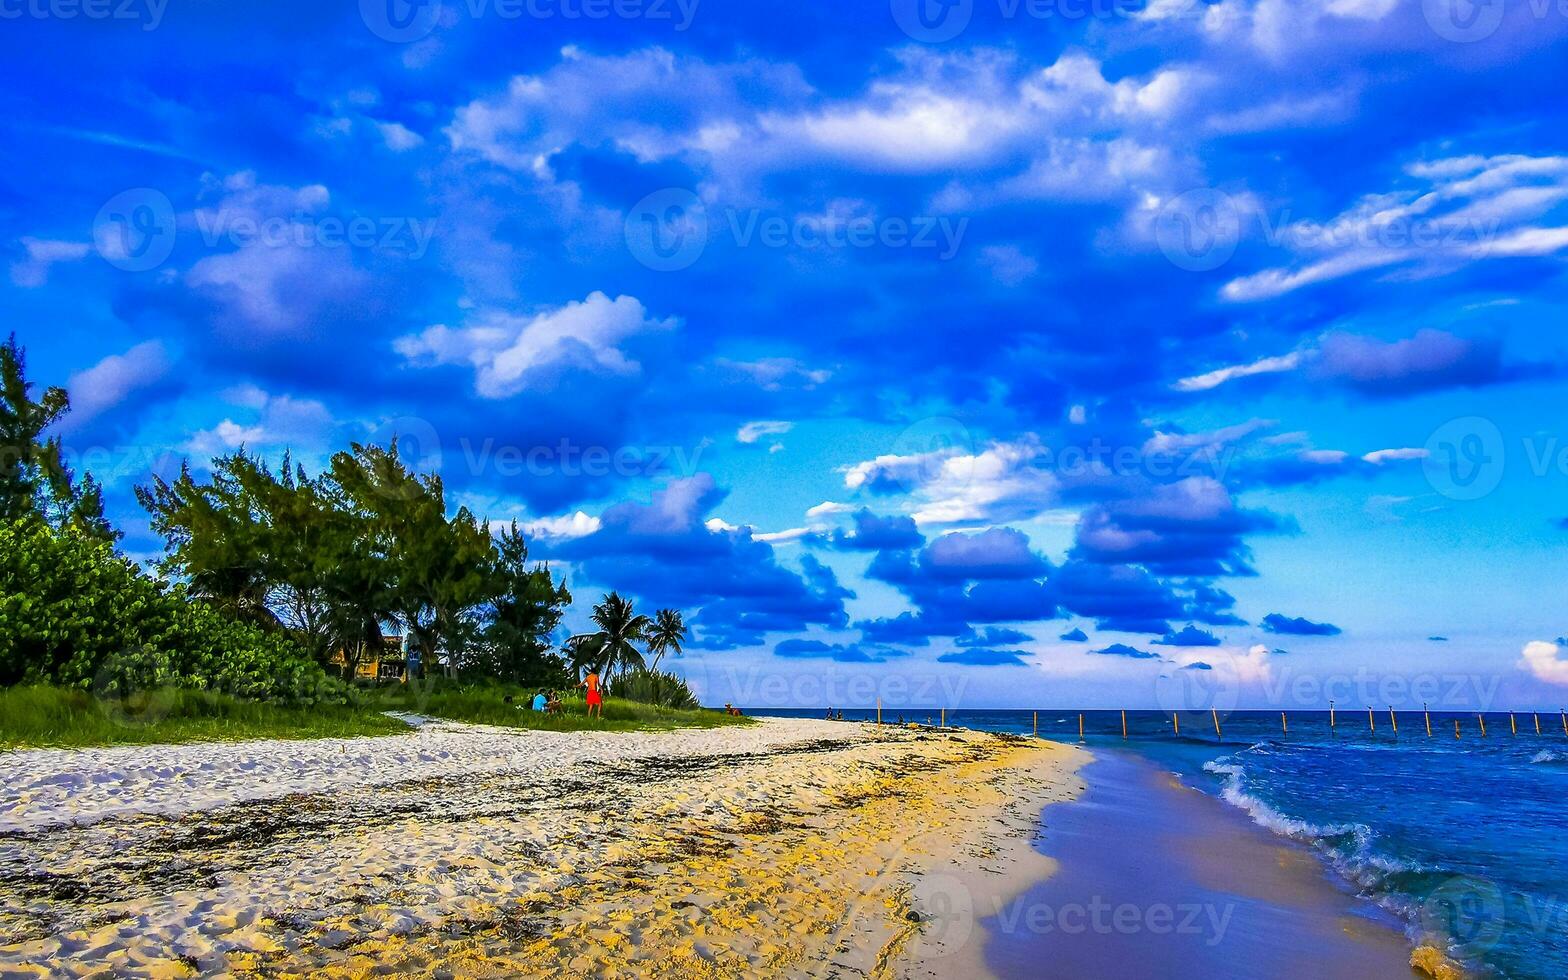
666, 635
35, 481
366, 544
613, 647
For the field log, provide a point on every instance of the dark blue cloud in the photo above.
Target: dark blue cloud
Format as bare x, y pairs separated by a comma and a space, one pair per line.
1437, 639
1430, 360
1297, 626
874, 533
1189, 636
852, 653
962, 579
977, 657
1190, 528
996, 553
1075, 635
1117, 597
1198, 665
1123, 650
664, 553
993, 636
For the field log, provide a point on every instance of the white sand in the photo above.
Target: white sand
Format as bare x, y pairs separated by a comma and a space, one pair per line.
782, 848
46, 787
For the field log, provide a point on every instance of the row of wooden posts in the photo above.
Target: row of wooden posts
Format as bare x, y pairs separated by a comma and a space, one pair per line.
1284, 721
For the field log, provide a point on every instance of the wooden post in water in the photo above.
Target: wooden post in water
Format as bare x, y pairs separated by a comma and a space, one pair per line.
1456, 727
1124, 723
1393, 719
1565, 721
1513, 726
1537, 716
1371, 722
1482, 719
1331, 717
1427, 714
1080, 724
1284, 726
1176, 717
1216, 713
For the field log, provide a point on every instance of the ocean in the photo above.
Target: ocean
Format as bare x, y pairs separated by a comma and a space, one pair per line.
1464, 839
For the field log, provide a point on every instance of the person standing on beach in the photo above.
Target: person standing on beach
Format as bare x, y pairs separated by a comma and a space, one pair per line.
595, 699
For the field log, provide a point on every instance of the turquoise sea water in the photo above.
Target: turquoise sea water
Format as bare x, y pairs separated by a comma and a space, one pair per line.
1464, 839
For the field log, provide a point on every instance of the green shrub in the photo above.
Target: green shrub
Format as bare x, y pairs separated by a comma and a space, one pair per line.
652, 687
75, 613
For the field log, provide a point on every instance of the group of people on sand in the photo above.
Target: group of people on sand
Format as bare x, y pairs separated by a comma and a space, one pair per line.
833, 717
548, 703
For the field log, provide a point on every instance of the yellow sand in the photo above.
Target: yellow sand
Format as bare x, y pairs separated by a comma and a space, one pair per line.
1431, 961
806, 859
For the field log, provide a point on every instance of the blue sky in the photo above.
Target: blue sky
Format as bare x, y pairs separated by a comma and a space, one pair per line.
893, 343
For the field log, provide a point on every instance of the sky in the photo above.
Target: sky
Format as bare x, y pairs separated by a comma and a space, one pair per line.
965, 353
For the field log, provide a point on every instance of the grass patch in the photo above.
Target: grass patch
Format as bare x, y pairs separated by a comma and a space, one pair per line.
485, 704
42, 716
57, 717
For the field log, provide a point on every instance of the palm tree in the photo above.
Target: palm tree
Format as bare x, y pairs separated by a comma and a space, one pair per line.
613, 646
669, 629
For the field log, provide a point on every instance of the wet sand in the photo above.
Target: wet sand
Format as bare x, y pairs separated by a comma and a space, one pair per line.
1154, 879
787, 848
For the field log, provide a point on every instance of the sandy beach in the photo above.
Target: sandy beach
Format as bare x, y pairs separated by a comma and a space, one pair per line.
786, 848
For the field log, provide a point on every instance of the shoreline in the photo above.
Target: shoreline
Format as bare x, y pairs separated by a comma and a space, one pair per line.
1204, 891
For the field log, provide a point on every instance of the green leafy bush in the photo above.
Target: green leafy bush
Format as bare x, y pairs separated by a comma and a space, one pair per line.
75, 613
652, 687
